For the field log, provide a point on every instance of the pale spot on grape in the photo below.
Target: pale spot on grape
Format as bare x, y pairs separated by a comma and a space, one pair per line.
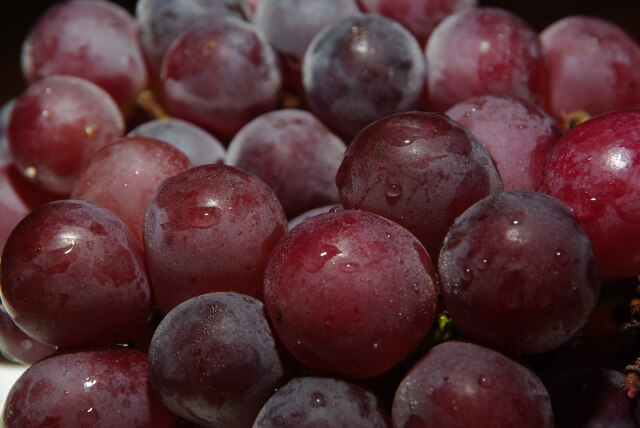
467, 275
349, 267
26, 344
376, 292
393, 193
48, 91
431, 390
482, 264
203, 217
314, 261
30, 172
318, 400
90, 131
561, 257
484, 382
46, 114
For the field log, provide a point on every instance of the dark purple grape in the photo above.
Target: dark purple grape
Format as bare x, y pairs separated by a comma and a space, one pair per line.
421, 170
73, 274
294, 153
484, 50
518, 135
87, 388
350, 292
214, 360
210, 228
95, 40
56, 125
16, 345
247, 79
518, 271
361, 69
315, 402
312, 213
460, 385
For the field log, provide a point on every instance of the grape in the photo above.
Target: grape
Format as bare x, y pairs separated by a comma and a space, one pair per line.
124, 177
95, 40
360, 69
595, 170
294, 153
17, 346
481, 51
199, 146
160, 22
350, 292
517, 134
56, 124
587, 52
313, 402
419, 169
210, 228
73, 275
247, 79
518, 271
312, 213
5, 114
214, 360
462, 384
279, 19
419, 16
589, 397
87, 388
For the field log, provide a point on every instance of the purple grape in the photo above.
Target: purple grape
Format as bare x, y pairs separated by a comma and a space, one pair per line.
16, 345
459, 385
214, 360
314, 402
518, 271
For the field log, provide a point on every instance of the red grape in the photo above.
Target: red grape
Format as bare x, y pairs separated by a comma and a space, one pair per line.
517, 134
594, 67
481, 51
460, 384
16, 345
247, 79
214, 360
518, 271
95, 40
210, 228
350, 292
294, 153
124, 177
73, 274
419, 169
361, 69
595, 169
5, 114
56, 124
87, 388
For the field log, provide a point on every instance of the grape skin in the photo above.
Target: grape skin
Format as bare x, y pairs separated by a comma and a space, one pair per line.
17, 346
350, 292
462, 384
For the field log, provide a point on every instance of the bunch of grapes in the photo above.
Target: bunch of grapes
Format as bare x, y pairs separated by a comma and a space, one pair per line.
337, 213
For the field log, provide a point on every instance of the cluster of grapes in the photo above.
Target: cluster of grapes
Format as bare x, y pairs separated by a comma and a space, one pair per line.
301, 213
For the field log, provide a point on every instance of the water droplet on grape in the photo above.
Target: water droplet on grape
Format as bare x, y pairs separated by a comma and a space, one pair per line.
484, 382
26, 344
59, 267
90, 131
203, 217
314, 261
30, 172
393, 193
376, 345
317, 400
349, 267
482, 264
561, 257
376, 292
467, 275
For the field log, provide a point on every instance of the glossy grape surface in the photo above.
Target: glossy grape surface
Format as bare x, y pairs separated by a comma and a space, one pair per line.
125, 175
595, 169
594, 67
294, 153
459, 384
361, 69
517, 134
247, 79
56, 125
160, 22
419, 169
518, 271
199, 146
350, 292
98, 388
313, 402
96, 40
481, 51
68, 264
210, 228
214, 360
17, 346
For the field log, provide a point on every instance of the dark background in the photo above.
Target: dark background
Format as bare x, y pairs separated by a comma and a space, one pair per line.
16, 17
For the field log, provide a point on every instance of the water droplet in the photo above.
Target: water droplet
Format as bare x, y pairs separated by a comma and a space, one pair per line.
46, 114
454, 405
482, 264
416, 288
59, 267
517, 222
467, 275
561, 257
90, 131
349, 267
376, 292
314, 261
317, 400
484, 382
376, 345
393, 192
203, 217
30, 172
26, 344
